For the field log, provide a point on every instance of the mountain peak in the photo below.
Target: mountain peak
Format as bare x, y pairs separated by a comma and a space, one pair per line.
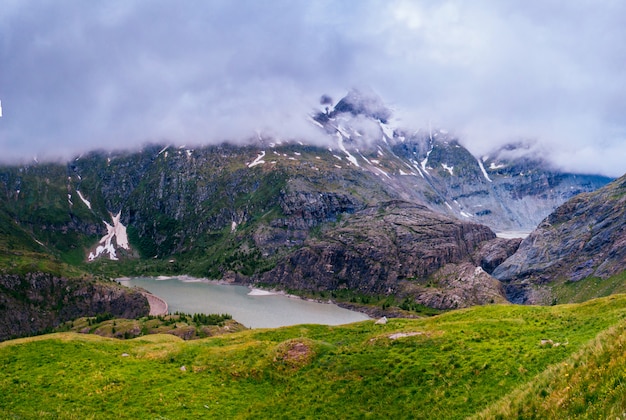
359, 102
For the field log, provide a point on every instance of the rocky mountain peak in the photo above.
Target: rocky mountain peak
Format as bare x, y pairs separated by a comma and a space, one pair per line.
360, 102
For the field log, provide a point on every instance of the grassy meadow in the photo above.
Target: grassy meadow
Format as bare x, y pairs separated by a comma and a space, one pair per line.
499, 361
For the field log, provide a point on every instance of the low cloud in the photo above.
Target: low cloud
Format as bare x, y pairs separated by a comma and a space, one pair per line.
78, 76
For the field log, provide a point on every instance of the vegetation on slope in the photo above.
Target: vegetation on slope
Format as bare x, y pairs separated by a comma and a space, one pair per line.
589, 384
449, 366
185, 326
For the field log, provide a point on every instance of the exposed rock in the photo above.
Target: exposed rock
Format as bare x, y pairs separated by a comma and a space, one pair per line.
584, 237
458, 286
37, 302
494, 252
377, 248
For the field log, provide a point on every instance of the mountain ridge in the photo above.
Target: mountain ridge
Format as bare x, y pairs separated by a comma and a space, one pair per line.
244, 212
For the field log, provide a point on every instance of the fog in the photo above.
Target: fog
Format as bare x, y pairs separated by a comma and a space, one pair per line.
78, 75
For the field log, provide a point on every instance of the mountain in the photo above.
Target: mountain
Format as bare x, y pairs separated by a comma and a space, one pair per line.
510, 189
357, 209
583, 238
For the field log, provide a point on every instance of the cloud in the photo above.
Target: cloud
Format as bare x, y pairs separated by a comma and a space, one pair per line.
77, 76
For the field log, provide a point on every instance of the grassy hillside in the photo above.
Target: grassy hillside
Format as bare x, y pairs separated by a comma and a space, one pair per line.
475, 361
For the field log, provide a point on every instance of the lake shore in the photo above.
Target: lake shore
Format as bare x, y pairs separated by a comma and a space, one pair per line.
372, 312
254, 307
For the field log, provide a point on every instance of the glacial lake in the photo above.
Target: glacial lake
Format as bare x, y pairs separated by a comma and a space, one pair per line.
251, 307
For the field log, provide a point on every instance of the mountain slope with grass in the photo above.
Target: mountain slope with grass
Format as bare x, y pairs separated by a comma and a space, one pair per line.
464, 363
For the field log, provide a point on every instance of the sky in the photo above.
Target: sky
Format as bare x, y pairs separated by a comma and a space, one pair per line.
82, 75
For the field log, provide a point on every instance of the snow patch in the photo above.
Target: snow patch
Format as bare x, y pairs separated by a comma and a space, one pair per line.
482, 168
464, 214
258, 160
316, 122
233, 226
351, 158
448, 168
383, 172
416, 166
87, 202
494, 166
116, 231
387, 130
425, 161
364, 158
343, 132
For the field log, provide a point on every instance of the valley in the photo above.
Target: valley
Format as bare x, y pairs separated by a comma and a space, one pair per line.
454, 251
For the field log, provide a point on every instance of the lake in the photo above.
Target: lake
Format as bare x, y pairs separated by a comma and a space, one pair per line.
253, 308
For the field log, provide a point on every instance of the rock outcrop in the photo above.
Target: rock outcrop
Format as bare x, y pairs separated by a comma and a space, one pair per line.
459, 286
493, 253
585, 237
37, 302
380, 250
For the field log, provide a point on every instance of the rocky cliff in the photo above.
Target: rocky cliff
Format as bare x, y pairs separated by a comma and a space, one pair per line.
585, 237
390, 249
37, 302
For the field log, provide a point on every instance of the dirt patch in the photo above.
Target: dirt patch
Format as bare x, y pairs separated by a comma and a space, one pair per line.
294, 353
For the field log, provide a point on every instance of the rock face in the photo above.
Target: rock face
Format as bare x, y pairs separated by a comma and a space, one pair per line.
493, 253
381, 250
584, 237
36, 302
459, 286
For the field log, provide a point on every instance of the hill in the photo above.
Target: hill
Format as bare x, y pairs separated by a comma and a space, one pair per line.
488, 361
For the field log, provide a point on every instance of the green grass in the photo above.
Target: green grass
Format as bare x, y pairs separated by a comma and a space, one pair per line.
589, 288
455, 365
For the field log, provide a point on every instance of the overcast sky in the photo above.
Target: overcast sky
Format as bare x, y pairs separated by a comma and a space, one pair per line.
78, 75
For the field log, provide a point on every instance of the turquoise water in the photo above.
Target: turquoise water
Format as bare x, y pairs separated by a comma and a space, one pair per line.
254, 311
